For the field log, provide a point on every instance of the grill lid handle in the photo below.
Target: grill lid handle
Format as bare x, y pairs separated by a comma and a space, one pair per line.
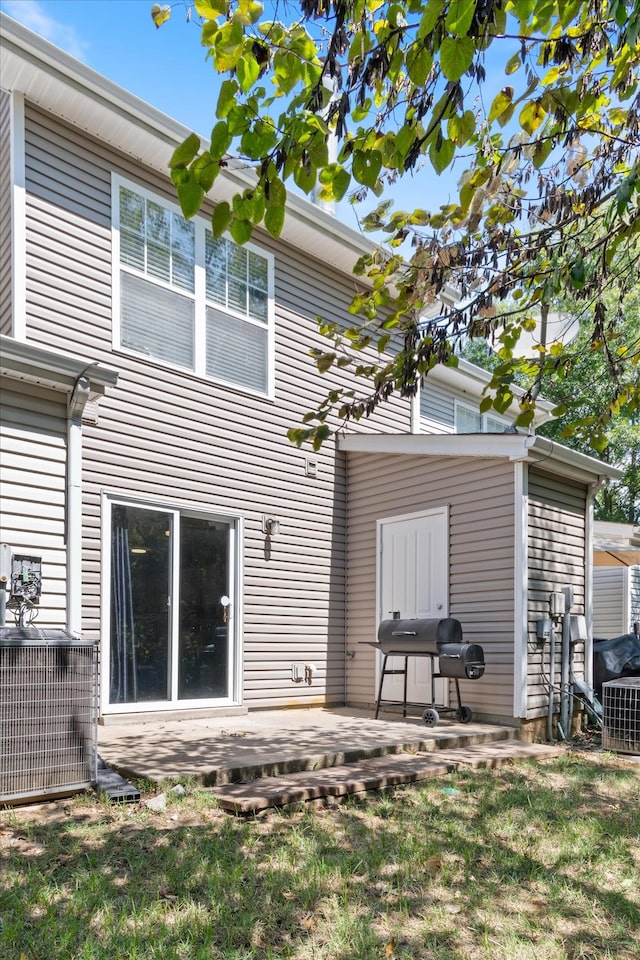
403, 633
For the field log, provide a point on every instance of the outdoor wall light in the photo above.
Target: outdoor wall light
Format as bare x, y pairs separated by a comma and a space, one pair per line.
270, 526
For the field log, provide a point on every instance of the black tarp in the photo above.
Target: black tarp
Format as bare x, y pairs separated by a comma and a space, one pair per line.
618, 657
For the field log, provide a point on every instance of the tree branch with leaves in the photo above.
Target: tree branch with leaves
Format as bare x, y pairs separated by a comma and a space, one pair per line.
548, 199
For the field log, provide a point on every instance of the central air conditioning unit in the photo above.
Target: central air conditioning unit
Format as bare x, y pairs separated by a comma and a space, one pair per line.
48, 713
621, 715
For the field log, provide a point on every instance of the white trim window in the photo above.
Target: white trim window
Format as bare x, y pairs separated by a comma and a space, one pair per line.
468, 419
187, 299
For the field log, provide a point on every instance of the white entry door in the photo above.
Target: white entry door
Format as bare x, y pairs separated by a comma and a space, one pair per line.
413, 581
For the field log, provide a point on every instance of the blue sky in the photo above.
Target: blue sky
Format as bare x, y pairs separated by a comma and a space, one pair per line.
117, 38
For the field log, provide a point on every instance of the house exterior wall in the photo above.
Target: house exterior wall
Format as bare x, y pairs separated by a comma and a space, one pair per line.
168, 437
6, 319
616, 601
437, 408
556, 557
610, 602
32, 480
480, 497
634, 595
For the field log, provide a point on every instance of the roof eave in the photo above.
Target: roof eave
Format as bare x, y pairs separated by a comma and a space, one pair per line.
57, 371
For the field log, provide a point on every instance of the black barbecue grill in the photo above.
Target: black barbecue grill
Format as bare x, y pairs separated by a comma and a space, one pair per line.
441, 639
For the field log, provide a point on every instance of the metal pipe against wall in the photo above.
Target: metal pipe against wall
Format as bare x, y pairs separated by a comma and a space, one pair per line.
552, 680
565, 719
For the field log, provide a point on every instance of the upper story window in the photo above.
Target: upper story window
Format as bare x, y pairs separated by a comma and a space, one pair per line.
470, 420
188, 299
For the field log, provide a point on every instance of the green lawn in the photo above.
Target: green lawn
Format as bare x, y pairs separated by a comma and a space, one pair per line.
538, 861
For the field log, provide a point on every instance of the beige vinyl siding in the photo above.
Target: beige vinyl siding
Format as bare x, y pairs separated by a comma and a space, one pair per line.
634, 596
556, 559
32, 480
480, 497
616, 600
437, 408
6, 317
610, 601
167, 436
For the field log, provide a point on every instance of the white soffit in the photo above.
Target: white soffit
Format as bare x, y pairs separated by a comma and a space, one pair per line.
62, 85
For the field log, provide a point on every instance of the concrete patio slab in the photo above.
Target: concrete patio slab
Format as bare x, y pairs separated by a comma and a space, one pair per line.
218, 750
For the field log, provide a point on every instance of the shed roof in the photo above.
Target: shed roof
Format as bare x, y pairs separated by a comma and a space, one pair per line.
514, 447
616, 544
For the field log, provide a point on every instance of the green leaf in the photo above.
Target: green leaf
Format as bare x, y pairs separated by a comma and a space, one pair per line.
210, 9
502, 102
190, 195
304, 175
419, 63
335, 181
274, 220
297, 435
320, 434
228, 46
276, 193
531, 116
456, 56
541, 151
248, 12
366, 166
286, 70
459, 16
598, 441
184, 154
430, 17
205, 170
461, 129
441, 158
227, 98
325, 361
525, 419
513, 64
247, 72
220, 140
578, 277
241, 230
220, 218
159, 14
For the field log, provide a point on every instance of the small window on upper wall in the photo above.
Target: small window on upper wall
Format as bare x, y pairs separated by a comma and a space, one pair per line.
187, 298
470, 420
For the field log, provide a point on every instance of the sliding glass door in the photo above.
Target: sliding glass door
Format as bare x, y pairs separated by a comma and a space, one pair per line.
171, 633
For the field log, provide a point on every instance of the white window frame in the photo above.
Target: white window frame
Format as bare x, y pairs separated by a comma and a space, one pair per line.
198, 296
469, 408
175, 510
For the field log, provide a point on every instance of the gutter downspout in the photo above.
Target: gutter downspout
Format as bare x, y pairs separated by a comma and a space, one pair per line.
593, 490
75, 409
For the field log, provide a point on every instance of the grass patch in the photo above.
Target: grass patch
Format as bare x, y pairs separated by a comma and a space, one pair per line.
531, 861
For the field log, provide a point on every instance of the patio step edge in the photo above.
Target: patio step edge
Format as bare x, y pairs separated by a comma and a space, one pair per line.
374, 773
281, 767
